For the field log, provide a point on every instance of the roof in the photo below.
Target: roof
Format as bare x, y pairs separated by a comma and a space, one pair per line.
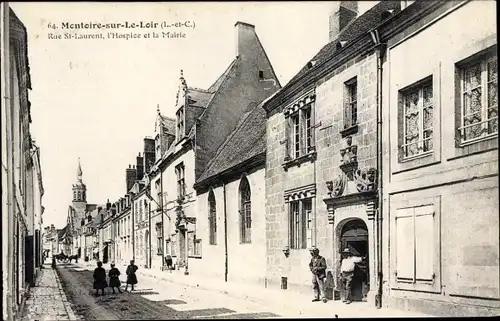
246, 141
364, 23
168, 123
199, 97
61, 233
216, 85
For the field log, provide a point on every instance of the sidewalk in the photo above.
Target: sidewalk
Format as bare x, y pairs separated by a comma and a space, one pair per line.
287, 303
47, 300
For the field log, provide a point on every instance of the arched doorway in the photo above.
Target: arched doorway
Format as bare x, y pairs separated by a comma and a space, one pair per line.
354, 236
146, 249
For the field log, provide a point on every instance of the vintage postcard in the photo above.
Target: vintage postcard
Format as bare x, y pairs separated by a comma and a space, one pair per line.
247, 160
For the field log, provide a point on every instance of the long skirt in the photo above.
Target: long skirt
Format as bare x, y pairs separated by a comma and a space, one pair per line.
131, 279
114, 282
100, 284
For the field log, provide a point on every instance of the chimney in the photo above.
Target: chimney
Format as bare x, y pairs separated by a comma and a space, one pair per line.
140, 166
340, 16
99, 208
130, 177
108, 205
149, 154
245, 34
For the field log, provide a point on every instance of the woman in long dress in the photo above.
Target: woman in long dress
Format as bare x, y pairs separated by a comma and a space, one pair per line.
114, 280
131, 277
100, 279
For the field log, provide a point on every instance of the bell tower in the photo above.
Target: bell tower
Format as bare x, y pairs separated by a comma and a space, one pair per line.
79, 189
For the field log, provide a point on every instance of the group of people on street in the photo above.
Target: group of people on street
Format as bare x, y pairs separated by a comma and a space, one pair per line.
317, 266
100, 282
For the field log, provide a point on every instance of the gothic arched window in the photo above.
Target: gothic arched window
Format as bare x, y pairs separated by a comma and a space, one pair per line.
212, 218
245, 211
74, 195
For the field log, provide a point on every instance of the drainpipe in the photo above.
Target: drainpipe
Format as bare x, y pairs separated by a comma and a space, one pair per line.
149, 234
225, 233
162, 222
133, 229
380, 49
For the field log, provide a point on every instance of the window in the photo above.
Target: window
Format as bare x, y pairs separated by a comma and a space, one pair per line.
158, 146
173, 245
415, 244
181, 184
159, 238
350, 103
197, 247
194, 245
417, 120
300, 223
245, 212
212, 218
300, 132
180, 123
261, 74
479, 100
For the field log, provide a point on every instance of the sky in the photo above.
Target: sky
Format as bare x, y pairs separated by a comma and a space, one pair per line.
96, 99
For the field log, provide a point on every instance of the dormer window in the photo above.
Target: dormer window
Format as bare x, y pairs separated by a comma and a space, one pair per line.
261, 74
180, 124
157, 146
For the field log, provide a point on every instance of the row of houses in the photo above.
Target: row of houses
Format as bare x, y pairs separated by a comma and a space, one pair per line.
385, 142
22, 185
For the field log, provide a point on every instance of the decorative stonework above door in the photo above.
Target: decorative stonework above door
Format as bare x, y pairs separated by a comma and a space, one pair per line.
349, 158
365, 179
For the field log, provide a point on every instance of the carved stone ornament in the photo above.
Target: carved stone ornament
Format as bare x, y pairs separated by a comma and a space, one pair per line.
366, 179
336, 187
349, 158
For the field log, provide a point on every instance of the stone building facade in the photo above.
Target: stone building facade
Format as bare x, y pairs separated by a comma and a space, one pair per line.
204, 119
230, 212
321, 164
21, 188
440, 105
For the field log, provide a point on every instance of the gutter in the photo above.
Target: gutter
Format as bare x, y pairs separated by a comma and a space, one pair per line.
380, 50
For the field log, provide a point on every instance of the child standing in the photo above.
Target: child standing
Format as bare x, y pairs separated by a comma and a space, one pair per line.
114, 280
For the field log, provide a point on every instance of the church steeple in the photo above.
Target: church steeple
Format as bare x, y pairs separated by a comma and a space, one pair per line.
79, 189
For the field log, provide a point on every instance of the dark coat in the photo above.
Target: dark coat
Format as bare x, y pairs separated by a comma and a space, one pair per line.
318, 266
100, 278
131, 277
114, 280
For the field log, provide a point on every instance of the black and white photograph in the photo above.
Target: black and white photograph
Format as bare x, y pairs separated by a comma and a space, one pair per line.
249, 160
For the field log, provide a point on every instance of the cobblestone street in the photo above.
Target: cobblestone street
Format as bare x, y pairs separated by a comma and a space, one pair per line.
47, 300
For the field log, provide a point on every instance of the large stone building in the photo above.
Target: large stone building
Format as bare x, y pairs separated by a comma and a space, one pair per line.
440, 147
230, 208
204, 119
321, 158
22, 186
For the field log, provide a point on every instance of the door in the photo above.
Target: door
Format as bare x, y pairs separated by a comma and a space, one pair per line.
28, 260
355, 238
146, 249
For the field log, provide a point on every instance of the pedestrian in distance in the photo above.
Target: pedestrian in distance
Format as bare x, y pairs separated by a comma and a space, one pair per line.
53, 262
169, 262
100, 279
347, 273
114, 280
318, 270
131, 277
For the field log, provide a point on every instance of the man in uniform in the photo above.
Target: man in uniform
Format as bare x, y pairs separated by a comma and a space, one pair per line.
318, 269
347, 272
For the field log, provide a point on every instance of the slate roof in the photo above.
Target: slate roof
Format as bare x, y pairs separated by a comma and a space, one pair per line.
364, 23
168, 123
199, 97
216, 85
61, 233
246, 141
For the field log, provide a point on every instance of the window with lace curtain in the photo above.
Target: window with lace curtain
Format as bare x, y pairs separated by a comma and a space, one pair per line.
417, 111
478, 100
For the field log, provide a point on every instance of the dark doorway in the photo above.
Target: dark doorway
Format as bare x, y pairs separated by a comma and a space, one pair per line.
29, 276
354, 236
105, 255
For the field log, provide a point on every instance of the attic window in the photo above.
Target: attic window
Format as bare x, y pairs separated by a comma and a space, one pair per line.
386, 14
261, 74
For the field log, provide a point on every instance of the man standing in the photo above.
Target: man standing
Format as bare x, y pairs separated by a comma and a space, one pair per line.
347, 272
318, 269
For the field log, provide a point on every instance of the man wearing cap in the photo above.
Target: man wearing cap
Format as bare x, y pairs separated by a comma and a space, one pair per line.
347, 272
318, 269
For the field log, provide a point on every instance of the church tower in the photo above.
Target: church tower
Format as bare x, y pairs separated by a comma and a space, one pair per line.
79, 189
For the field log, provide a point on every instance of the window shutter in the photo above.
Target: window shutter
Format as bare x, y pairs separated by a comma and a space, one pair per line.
405, 244
424, 242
